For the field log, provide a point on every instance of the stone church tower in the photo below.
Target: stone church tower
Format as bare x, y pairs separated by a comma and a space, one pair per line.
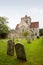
25, 23
23, 26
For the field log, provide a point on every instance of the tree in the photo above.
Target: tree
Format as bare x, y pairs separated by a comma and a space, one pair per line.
25, 33
41, 32
3, 27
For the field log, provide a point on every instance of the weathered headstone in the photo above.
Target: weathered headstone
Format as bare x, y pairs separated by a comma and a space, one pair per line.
28, 39
20, 51
10, 48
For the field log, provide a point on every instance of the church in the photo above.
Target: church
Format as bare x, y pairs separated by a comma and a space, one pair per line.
26, 25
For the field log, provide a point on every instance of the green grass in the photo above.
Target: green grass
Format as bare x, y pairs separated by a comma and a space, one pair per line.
34, 53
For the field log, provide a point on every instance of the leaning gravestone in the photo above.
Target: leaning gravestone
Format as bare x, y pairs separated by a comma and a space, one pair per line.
20, 51
10, 48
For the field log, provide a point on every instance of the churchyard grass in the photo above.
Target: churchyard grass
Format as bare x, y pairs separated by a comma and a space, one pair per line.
34, 53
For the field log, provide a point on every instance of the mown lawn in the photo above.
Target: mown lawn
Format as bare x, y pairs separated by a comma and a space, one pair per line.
34, 53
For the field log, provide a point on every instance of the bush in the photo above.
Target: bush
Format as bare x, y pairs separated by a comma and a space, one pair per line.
25, 33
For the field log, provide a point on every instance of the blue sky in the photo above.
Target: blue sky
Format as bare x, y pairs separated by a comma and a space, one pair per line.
15, 9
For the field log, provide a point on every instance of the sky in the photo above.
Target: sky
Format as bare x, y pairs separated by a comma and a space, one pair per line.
15, 9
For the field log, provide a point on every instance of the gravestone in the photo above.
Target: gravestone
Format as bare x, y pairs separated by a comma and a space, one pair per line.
10, 48
28, 39
20, 51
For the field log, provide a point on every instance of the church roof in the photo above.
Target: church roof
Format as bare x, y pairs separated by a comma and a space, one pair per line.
34, 25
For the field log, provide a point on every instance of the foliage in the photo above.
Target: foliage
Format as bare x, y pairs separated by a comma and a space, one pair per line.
41, 32
25, 33
3, 20
3, 27
32, 34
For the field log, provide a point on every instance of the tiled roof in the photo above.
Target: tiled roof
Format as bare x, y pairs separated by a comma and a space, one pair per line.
34, 25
